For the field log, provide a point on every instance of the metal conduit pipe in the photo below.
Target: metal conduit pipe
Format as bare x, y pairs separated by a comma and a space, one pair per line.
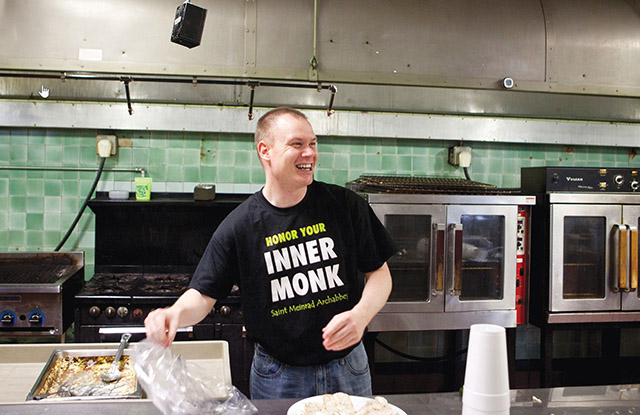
128, 79
114, 169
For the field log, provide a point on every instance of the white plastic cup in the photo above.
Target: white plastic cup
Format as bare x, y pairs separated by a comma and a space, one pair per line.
467, 410
486, 378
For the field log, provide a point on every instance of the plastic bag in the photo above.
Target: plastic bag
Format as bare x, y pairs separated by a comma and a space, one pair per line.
180, 389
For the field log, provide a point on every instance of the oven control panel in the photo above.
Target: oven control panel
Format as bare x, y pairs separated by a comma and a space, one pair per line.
522, 260
580, 179
28, 312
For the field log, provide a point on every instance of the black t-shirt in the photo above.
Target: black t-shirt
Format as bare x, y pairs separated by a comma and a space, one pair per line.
296, 267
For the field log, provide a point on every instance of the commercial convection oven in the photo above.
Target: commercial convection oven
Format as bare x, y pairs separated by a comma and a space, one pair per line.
462, 257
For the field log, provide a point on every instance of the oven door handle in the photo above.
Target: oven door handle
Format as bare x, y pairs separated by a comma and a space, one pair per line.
135, 330
455, 259
633, 258
438, 252
620, 248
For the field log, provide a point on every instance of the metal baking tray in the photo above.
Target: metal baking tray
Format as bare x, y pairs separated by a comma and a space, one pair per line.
49, 369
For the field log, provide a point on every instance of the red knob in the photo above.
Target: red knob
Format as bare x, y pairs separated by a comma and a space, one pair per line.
137, 313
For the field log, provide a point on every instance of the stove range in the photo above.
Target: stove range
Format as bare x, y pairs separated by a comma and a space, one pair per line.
111, 304
114, 303
145, 255
36, 292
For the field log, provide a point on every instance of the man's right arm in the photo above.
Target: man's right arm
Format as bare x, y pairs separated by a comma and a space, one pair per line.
191, 308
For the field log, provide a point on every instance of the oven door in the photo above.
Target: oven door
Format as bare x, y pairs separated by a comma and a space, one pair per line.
481, 257
582, 239
631, 294
418, 268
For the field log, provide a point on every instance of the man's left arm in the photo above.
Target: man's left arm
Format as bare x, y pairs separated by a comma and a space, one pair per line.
346, 329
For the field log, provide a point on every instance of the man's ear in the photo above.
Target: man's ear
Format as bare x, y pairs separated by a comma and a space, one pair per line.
264, 150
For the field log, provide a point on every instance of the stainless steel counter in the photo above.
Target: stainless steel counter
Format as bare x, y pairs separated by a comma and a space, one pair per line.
21, 364
601, 400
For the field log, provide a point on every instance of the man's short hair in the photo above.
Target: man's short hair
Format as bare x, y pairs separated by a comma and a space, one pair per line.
266, 122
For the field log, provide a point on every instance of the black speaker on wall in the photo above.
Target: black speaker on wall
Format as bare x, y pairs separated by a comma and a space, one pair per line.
188, 25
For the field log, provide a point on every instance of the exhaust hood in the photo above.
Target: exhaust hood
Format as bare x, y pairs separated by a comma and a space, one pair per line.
565, 59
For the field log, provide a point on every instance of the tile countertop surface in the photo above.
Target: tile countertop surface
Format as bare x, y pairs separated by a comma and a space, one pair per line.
20, 366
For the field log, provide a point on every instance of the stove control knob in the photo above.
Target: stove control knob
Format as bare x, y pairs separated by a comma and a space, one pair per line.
137, 314
634, 185
110, 312
618, 179
8, 318
225, 310
95, 311
122, 312
36, 317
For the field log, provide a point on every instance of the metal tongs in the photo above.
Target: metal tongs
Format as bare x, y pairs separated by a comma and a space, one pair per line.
113, 373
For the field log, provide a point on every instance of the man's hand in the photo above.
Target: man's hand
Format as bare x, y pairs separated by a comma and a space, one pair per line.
344, 330
161, 325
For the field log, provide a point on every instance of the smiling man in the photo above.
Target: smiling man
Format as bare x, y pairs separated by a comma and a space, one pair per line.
298, 250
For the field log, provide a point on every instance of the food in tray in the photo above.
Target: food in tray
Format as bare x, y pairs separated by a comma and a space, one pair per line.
341, 404
80, 376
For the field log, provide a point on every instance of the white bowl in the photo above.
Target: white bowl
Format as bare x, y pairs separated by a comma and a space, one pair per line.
118, 194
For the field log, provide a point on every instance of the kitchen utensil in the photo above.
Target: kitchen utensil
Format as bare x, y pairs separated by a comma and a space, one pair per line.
113, 373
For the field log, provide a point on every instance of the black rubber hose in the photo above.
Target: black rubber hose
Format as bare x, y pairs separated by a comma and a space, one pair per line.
466, 173
84, 205
420, 358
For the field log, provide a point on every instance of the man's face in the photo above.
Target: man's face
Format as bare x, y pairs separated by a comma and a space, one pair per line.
293, 153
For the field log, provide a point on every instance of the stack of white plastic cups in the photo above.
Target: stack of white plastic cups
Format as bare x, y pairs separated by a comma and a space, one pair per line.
486, 378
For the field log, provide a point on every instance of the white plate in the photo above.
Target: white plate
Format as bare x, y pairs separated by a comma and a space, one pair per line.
357, 401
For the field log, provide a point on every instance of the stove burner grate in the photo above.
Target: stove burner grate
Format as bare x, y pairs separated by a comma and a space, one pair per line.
422, 185
34, 273
137, 284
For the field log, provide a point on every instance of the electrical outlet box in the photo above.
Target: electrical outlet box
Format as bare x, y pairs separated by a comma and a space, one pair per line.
112, 139
460, 156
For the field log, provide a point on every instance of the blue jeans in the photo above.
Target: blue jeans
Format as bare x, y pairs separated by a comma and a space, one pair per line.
272, 379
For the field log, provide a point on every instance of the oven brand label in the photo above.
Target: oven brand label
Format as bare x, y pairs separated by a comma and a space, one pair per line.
575, 179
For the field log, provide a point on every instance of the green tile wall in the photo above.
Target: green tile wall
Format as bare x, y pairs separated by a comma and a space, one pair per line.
37, 207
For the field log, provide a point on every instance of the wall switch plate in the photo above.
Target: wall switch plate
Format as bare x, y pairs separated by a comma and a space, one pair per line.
112, 139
